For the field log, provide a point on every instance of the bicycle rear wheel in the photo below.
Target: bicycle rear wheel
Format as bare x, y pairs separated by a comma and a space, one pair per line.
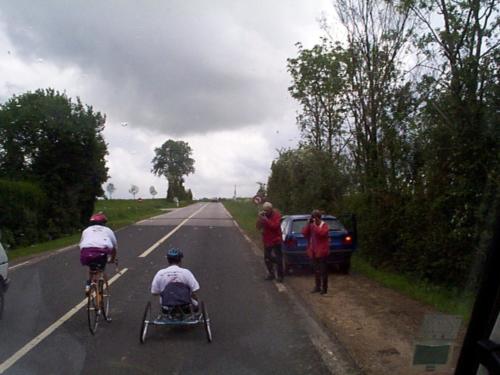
105, 295
146, 318
206, 322
92, 309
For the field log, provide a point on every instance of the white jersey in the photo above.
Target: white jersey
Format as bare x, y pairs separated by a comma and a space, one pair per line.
98, 236
173, 274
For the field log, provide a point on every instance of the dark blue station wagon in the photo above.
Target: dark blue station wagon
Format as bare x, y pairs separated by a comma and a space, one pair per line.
342, 242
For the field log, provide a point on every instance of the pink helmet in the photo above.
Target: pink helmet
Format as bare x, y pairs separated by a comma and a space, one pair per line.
98, 218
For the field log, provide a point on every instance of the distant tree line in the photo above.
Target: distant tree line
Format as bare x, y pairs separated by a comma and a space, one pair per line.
399, 124
52, 165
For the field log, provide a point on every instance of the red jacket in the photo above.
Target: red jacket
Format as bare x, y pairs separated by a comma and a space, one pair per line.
271, 228
319, 240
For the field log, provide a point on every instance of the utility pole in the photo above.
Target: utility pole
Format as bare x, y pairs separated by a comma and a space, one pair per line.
234, 195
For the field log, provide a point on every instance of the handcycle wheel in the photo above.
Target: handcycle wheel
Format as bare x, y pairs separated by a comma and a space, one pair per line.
206, 322
146, 318
93, 308
104, 290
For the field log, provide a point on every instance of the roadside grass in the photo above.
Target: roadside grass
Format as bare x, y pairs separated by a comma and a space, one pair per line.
446, 300
120, 213
244, 211
443, 299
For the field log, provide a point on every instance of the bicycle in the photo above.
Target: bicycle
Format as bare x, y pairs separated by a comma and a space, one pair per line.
98, 298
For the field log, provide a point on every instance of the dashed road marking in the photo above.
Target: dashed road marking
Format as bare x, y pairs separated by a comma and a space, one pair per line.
49, 330
163, 239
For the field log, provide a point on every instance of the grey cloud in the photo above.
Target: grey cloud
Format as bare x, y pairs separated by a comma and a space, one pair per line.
179, 66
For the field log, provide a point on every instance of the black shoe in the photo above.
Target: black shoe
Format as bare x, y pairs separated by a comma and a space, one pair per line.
279, 280
315, 290
323, 292
269, 277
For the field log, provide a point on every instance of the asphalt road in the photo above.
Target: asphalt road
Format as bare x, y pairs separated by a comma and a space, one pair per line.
257, 328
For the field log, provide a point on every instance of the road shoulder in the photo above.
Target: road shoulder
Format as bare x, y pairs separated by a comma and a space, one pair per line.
369, 327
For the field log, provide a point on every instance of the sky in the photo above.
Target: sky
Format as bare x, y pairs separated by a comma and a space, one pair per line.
212, 74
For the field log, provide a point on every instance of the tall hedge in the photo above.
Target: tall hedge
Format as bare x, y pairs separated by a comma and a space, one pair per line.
57, 144
22, 205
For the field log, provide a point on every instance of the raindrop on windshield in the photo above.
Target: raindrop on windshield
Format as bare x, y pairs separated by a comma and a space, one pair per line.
124, 124
39, 60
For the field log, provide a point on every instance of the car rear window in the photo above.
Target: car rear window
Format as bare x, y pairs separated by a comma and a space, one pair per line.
333, 224
298, 225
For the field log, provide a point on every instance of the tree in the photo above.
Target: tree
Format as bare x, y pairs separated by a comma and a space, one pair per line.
262, 191
110, 188
152, 191
318, 82
304, 179
458, 44
57, 143
173, 161
134, 189
377, 35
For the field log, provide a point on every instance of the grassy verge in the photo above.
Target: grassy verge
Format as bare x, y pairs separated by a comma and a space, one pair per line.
443, 299
120, 213
245, 213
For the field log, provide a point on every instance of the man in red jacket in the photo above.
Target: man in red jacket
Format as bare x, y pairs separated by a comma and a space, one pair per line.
316, 231
269, 223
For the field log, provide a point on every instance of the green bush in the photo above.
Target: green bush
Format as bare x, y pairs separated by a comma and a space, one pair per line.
21, 204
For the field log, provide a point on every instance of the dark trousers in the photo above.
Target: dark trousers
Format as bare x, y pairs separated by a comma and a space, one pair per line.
320, 268
272, 256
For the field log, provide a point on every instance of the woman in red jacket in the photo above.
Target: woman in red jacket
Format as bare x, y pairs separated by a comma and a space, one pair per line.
316, 231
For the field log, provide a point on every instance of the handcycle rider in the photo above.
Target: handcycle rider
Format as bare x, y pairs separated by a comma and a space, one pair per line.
97, 243
175, 285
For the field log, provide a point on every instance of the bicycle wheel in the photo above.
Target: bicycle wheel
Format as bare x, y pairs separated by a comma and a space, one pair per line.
92, 309
104, 290
206, 322
146, 318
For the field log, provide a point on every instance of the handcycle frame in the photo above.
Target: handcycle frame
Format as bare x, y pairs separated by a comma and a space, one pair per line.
175, 316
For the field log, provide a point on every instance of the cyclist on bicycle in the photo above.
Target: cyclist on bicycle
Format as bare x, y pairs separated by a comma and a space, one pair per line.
175, 285
97, 243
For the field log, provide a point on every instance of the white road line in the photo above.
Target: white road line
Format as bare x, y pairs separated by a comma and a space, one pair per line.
18, 265
49, 330
161, 240
281, 288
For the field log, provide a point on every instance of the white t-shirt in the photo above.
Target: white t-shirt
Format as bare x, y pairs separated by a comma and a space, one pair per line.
98, 236
171, 274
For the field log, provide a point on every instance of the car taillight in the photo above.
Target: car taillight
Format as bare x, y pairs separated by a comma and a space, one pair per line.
347, 240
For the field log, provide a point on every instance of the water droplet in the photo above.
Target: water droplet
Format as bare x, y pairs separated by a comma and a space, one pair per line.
124, 124
39, 60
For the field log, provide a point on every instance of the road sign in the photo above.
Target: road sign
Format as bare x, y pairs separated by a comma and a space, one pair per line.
257, 199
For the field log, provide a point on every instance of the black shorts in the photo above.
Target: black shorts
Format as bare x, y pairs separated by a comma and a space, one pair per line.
98, 263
